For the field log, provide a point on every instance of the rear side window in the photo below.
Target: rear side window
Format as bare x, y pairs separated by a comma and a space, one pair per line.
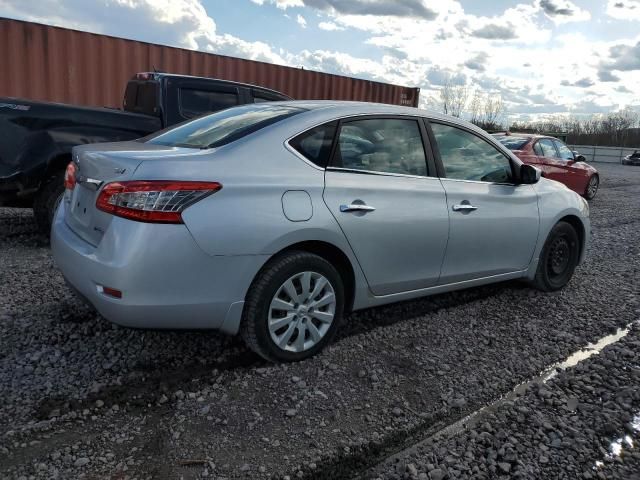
223, 127
194, 102
315, 144
381, 145
466, 156
261, 97
537, 149
141, 97
511, 142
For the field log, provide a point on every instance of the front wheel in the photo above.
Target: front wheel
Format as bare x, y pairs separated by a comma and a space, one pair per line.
293, 307
592, 187
558, 259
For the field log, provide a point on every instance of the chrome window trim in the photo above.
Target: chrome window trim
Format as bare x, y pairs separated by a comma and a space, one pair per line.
376, 172
288, 146
299, 155
481, 181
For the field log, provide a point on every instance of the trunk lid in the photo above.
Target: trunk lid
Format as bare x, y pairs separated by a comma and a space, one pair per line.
97, 165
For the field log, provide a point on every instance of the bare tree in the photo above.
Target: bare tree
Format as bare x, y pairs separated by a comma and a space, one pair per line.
620, 128
475, 108
453, 98
493, 110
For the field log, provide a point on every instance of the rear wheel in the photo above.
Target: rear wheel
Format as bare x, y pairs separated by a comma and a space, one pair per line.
293, 307
558, 259
47, 200
592, 187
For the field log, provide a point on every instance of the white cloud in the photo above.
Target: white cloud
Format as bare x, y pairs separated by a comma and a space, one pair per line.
563, 11
420, 43
624, 9
396, 8
329, 26
282, 4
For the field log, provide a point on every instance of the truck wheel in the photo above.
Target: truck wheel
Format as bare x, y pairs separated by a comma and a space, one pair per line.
47, 200
293, 307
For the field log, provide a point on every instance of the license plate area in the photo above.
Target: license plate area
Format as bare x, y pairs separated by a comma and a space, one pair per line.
82, 204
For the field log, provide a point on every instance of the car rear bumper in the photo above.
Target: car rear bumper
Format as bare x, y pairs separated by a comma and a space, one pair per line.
166, 279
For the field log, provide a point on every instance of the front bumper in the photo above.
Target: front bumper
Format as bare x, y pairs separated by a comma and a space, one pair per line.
166, 279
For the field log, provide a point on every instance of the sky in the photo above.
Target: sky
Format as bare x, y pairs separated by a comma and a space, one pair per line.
543, 57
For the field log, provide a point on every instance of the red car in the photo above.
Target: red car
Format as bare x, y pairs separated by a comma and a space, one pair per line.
555, 159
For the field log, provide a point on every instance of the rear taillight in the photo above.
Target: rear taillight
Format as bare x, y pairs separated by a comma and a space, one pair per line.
70, 176
155, 201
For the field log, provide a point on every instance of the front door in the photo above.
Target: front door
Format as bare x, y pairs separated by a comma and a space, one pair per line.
493, 222
576, 172
393, 214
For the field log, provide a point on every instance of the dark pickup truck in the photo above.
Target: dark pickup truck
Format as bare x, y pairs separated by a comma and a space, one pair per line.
36, 137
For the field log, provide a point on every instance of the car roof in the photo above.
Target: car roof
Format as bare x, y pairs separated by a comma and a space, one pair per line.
332, 109
521, 135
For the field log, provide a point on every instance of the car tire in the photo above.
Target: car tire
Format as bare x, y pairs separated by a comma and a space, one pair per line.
592, 187
306, 323
558, 259
47, 200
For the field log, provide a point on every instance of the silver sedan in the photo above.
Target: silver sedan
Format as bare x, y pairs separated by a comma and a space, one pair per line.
274, 220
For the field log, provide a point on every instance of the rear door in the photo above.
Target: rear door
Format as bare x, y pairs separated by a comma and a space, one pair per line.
493, 221
392, 211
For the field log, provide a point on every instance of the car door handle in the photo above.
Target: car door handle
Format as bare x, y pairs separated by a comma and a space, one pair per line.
356, 207
464, 207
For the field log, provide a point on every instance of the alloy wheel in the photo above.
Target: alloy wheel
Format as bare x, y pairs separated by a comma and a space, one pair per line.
592, 188
302, 311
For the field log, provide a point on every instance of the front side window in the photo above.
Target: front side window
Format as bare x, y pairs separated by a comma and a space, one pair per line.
548, 150
223, 127
194, 102
565, 153
315, 144
381, 145
537, 149
466, 156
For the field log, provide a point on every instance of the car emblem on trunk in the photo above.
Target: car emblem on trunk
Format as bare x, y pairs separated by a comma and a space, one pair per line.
119, 170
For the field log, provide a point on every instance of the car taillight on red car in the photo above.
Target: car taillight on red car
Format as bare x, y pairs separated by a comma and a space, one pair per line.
154, 201
70, 176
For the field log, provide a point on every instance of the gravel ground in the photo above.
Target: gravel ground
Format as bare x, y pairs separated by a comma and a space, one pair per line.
584, 423
84, 398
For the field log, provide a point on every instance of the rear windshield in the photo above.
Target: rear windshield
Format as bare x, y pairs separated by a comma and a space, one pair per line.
223, 127
511, 142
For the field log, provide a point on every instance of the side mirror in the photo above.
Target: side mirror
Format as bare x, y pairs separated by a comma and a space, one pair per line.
580, 158
529, 174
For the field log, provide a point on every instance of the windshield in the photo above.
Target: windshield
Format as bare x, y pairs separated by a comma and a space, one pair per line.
224, 126
511, 142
